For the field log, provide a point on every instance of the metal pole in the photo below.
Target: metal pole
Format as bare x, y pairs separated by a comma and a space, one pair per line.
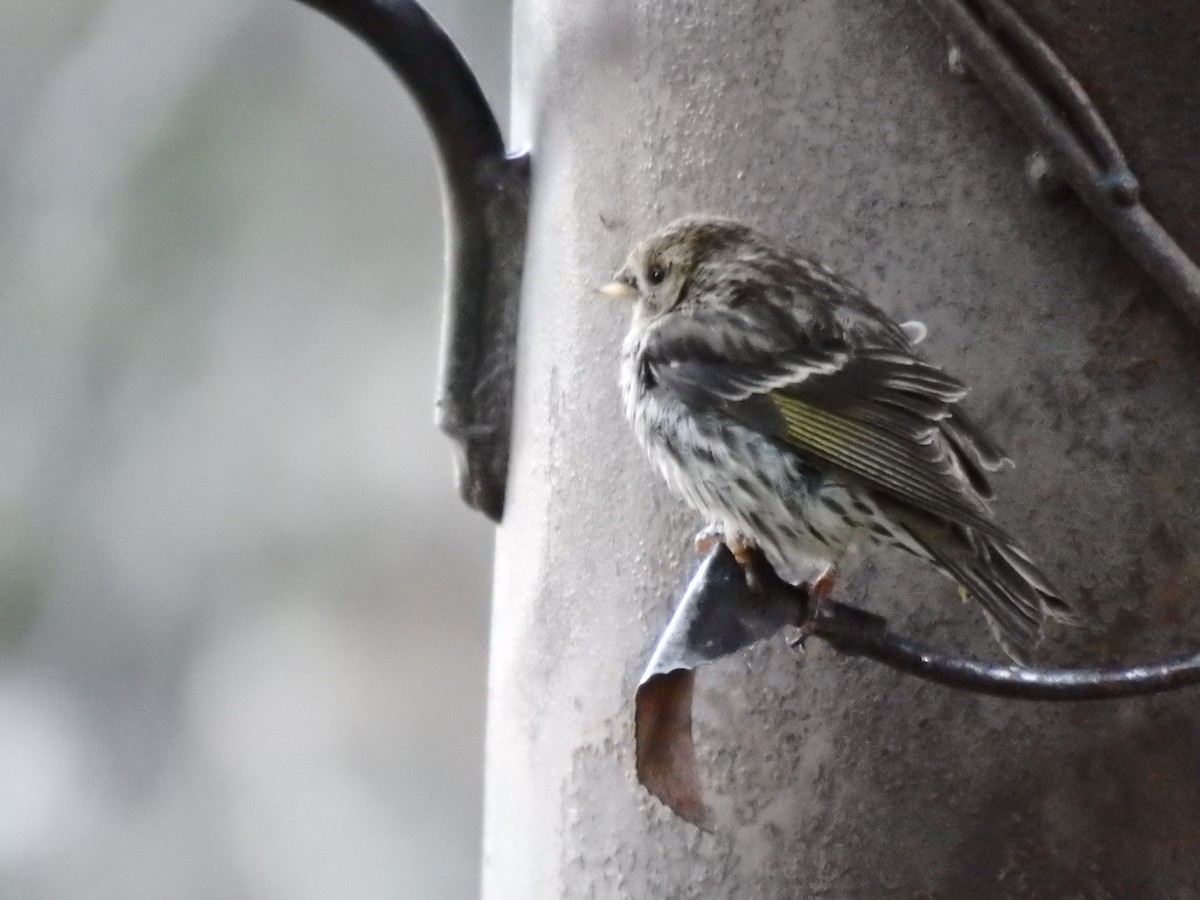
834, 123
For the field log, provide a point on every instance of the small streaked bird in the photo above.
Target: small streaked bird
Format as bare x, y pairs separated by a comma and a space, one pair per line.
797, 418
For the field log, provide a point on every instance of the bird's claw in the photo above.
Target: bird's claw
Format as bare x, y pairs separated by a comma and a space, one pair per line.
744, 551
819, 591
820, 588
748, 557
707, 538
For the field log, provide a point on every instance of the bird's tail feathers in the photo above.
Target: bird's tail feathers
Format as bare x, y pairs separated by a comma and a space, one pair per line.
1014, 594
1053, 605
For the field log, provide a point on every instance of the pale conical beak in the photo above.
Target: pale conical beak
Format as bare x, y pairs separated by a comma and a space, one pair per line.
619, 290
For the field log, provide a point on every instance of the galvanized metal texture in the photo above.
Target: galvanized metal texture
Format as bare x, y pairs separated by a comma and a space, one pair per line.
487, 200
832, 123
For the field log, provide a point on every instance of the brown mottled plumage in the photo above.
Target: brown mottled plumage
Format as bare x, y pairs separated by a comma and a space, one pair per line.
793, 414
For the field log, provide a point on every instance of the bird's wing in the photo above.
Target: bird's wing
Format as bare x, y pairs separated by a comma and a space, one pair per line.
876, 413
977, 453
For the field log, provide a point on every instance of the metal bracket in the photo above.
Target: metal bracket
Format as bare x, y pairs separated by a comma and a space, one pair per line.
1028, 79
486, 194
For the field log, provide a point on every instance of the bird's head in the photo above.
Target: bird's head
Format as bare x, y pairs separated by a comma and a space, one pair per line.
660, 270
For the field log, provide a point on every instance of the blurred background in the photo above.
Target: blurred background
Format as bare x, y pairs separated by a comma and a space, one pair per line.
243, 614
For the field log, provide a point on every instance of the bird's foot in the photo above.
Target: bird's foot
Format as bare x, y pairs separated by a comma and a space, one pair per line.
707, 538
747, 555
820, 590
744, 551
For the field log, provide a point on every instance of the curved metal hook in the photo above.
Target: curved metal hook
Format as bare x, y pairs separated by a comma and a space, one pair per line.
487, 199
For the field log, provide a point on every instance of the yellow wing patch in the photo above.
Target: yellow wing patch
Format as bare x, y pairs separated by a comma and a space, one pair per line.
843, 441
879, 458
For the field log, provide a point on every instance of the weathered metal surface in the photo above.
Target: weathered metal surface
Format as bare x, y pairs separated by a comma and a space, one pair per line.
1138, 63
1031, 82
836, 123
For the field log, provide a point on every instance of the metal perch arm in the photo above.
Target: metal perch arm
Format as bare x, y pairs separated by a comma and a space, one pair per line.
720, 614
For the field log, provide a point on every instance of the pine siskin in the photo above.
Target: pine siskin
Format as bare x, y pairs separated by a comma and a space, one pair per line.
797, 418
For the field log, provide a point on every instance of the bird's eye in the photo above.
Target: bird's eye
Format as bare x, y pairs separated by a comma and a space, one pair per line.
656, 274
